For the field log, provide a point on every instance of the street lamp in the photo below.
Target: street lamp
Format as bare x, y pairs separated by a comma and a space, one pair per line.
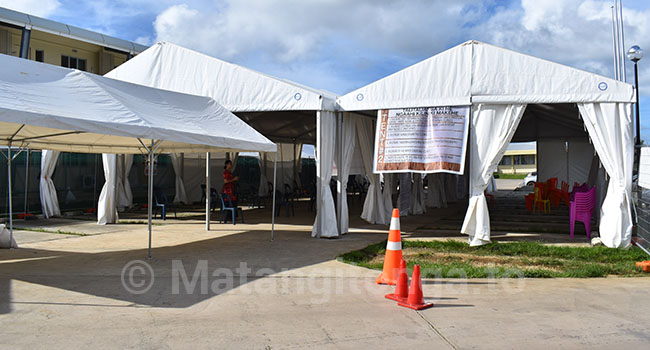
635, 54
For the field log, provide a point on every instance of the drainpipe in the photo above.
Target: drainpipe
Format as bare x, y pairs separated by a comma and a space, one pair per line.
24, 42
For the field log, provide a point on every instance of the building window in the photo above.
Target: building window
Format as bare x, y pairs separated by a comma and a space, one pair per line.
40, 56
506, 160
73, 62
524, 160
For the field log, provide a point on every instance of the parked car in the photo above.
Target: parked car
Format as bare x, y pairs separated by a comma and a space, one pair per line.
530, 179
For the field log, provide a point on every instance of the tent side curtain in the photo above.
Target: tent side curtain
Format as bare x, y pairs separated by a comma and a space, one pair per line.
610, 127
124, 193
374, 209
349, 136
326, 209
107, 205
181, 196
49, 200
492, 128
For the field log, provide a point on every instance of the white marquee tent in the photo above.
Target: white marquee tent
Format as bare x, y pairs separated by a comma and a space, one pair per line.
523, 98
286, 112
47, 107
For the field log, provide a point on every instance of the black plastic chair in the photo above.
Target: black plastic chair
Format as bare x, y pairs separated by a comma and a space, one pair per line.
163, 203
226, 205
283, 201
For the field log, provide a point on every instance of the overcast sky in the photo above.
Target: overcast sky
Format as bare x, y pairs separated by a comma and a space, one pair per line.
342, 45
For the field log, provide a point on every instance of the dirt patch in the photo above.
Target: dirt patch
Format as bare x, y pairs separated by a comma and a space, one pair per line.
426, 255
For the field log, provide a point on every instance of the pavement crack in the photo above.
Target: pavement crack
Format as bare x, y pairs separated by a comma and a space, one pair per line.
437, 331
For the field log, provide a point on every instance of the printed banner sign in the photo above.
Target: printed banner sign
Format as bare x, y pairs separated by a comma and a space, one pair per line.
426, 139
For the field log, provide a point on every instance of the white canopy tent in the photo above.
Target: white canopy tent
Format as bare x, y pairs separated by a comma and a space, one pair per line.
505, 88
283, 111
47, 107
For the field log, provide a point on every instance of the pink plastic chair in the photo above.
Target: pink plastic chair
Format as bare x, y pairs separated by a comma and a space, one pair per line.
582, 207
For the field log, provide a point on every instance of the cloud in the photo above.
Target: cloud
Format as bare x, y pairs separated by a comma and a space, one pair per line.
42, 8
349, 44
290, 36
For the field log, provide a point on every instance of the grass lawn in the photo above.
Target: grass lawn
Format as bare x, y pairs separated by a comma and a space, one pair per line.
454, 259
510, 176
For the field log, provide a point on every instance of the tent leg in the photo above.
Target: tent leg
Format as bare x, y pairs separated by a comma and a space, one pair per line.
11, 213
207, 191
275, 174
150, 194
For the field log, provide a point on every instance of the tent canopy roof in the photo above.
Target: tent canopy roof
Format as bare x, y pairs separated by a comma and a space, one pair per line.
48, 107
475, 72
172, 67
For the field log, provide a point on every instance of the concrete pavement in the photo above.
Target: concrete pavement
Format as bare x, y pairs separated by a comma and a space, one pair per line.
289, 293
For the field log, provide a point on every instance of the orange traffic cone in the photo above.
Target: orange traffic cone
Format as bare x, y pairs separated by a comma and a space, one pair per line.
644, 266
402, 288
393, 252
415, 300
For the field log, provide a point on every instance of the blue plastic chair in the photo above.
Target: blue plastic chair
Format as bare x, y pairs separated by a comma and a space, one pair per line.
225, 199
163, 203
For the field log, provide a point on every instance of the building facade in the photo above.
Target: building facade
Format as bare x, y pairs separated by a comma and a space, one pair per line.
79, 177
42, 40
518, 161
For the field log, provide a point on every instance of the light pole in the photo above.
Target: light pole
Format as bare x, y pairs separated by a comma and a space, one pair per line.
635, 54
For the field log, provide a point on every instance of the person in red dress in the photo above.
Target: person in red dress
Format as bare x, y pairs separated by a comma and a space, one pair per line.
229, 183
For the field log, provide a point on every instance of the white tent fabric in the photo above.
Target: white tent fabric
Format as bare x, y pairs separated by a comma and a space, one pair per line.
124, 193
417, 195
404, 199
235, 87
107, 206
171, 67
326, 217
288, 159
73, 111
49, 199
297, 163
610, 128
569, 160
492, 129
181, 196
349, 137
374, 211
466, 74
48, 107
436, 196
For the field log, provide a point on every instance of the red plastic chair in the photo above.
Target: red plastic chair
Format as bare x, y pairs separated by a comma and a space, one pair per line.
560, 194
581, 209
530, 199
551, 186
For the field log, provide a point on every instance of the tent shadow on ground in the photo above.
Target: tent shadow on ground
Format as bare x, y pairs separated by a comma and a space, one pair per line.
100, 274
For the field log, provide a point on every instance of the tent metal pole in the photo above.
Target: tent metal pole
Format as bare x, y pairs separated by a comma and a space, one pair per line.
115, 192
275, 175
208, 191
319, 175
150, 194
339, 166
11, 214
26, 180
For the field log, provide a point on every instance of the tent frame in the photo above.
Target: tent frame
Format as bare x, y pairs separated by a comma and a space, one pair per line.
151, 153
